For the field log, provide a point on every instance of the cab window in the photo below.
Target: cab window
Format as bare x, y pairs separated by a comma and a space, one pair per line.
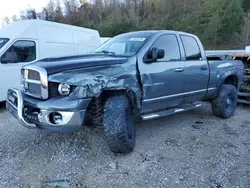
20, 52
170, 45
191, 47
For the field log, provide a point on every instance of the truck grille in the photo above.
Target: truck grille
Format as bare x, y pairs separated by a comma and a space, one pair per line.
33, 75
34, 89
34, 82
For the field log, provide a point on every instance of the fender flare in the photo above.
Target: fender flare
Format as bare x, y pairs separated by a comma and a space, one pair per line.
124, 91
227, 75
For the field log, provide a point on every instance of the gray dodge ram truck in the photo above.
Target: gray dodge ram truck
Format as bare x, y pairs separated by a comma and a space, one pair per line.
134, 76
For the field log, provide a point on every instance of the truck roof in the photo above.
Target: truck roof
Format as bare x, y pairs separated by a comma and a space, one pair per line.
161, 32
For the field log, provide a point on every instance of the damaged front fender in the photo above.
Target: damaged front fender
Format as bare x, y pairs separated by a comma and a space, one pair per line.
92, 81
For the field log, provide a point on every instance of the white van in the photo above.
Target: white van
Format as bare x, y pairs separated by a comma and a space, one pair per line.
105, 39
26, 41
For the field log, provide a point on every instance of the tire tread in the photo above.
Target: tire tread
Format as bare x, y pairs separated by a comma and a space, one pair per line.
114, 121
218, 104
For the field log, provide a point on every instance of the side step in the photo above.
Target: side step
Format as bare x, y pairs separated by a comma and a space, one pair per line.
172, 111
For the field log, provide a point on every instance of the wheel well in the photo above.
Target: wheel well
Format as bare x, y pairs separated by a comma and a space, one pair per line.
232, 80
95, 109
129, 93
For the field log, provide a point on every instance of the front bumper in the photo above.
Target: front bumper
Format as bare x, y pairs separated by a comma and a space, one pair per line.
33, 113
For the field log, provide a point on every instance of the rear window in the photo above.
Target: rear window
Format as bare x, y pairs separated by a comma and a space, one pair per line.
3, 41
191, 47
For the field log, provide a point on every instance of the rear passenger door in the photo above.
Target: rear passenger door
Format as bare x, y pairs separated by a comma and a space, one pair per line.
196, 70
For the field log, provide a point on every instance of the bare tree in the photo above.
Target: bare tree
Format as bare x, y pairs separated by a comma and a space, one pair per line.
5, 21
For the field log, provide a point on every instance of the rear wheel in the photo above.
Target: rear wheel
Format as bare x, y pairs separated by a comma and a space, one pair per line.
225, 104
119, 126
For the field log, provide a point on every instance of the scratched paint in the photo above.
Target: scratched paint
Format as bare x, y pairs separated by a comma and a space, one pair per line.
90, 82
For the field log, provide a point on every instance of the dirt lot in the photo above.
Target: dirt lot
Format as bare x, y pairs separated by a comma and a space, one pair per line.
192, 149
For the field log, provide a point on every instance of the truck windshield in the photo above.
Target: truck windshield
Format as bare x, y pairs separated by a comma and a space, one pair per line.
3, 41
124, 45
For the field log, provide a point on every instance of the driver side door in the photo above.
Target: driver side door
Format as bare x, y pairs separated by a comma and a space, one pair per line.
163, 80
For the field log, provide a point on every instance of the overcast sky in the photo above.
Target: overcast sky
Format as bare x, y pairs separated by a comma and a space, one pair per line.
14, 7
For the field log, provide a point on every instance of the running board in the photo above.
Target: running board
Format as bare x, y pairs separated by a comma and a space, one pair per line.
171, 111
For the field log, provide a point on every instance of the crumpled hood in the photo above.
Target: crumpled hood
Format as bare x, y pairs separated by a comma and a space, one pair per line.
56, 65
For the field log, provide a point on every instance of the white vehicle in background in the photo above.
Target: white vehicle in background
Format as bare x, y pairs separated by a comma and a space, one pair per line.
104, 39
26, 41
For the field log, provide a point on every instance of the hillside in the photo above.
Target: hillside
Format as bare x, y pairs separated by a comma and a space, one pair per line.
221, 24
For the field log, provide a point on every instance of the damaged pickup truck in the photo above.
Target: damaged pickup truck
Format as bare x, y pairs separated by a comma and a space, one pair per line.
134, 76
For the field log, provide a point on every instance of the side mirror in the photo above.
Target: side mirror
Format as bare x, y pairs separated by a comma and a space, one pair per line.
155, 53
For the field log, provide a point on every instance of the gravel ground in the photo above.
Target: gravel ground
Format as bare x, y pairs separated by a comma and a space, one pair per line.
192, 149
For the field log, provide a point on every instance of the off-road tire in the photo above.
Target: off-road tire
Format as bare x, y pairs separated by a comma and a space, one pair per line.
119, 124
225, 104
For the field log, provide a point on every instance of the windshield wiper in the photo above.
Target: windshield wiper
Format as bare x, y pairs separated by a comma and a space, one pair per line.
106, 52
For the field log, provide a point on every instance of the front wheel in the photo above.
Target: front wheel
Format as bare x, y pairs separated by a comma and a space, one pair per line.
225, 104
119, 127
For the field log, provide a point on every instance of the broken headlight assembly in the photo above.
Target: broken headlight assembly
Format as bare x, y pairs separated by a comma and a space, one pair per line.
79, 92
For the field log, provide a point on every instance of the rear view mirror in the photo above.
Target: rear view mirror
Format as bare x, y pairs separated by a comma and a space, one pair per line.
156, 53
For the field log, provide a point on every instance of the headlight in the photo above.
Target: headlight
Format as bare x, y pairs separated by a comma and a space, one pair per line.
64, 89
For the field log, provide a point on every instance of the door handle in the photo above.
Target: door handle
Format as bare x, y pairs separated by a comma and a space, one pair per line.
204, 67
179, 70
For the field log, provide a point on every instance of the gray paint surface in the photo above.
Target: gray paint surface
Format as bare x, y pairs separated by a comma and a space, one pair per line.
155, 85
